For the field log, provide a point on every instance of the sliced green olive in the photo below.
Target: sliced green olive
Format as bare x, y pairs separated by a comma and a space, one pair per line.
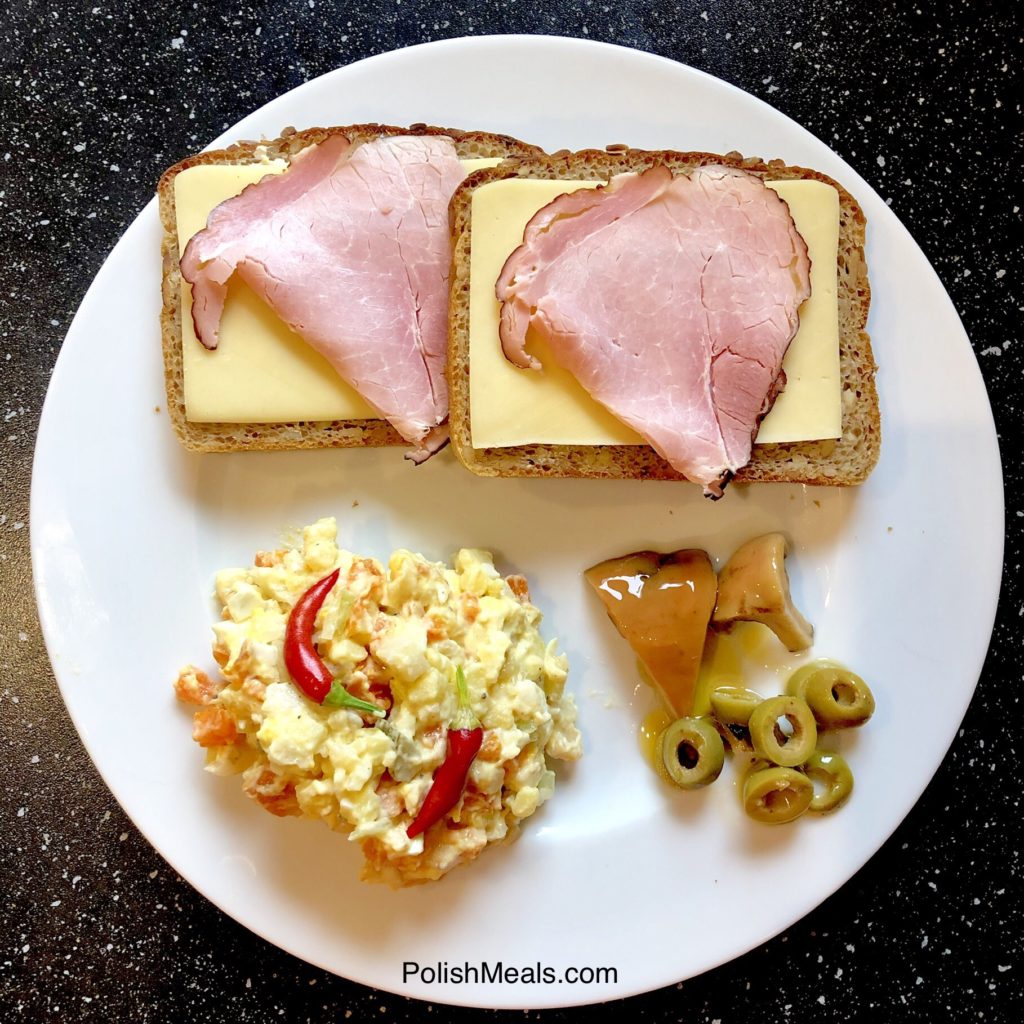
692, 752
832, 771
839, 698
732, 705
772, 742
776, 795
796, 686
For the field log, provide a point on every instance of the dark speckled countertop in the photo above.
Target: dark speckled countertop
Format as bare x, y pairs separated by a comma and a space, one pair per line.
923, 100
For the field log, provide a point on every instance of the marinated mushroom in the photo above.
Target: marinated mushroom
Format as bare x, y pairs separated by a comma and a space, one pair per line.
754, 587
661, 605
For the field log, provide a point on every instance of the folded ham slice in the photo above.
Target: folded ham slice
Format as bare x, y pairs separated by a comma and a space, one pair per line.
672, 300
350, 247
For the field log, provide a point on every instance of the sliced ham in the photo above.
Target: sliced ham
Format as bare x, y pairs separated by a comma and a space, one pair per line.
672, 300
350, 247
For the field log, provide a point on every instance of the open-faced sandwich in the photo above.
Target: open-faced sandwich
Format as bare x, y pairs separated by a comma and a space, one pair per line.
305, 287
618, 314
651, 314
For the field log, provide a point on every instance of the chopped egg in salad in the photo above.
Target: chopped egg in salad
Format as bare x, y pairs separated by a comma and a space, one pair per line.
428, 665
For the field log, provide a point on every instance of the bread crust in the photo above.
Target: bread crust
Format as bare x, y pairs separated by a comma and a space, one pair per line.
842, 462
228, 437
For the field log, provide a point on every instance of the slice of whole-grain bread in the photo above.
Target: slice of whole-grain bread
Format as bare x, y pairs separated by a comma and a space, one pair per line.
841, 462
224, 437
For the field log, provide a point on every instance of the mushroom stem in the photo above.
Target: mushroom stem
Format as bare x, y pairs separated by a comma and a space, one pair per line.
754, 587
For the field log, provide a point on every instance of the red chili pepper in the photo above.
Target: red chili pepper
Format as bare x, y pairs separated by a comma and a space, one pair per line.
303, 661
465, 735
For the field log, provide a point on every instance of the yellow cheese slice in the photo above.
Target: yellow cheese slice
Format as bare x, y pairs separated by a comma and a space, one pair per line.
811, 406
261, 371
511, 406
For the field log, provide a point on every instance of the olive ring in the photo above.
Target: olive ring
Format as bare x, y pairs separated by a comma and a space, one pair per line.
692, 752
835, 775
839, 699
776, 795
771, 743
732, 705
796, 685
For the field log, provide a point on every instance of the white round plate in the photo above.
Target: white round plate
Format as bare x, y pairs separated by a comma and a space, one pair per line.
899, 576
